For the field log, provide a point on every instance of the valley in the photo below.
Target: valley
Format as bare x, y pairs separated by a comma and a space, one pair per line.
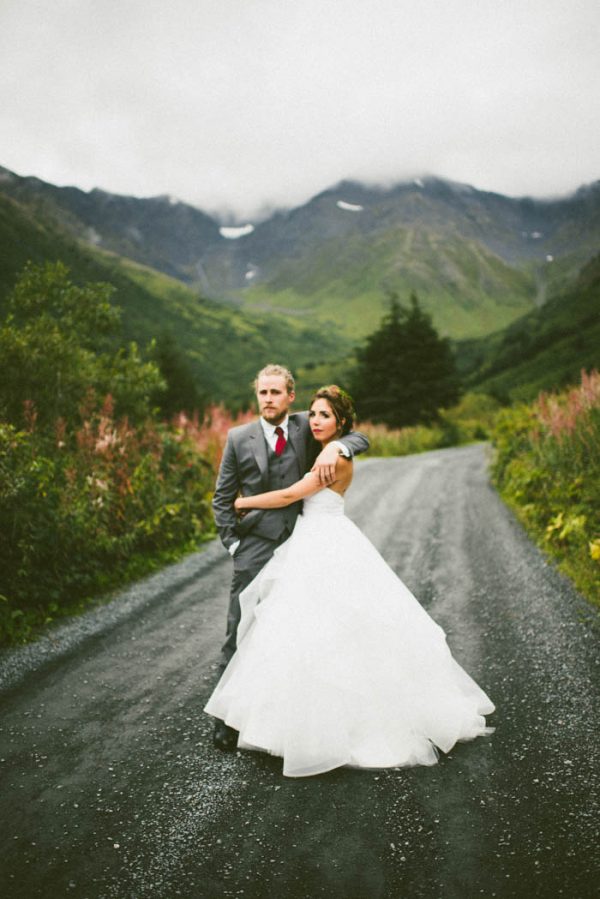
492, 271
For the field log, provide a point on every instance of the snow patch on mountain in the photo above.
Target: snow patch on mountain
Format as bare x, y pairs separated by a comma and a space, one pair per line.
234, 233
349, 207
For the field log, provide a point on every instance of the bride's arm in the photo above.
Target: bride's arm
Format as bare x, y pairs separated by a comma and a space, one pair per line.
277, 499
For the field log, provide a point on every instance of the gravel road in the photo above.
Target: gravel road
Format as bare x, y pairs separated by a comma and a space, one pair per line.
111, 788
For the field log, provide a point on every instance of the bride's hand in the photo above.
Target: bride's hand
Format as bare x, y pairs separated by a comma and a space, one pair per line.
325, 464
238, 507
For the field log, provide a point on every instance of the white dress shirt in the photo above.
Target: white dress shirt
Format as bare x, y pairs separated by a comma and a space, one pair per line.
269, 431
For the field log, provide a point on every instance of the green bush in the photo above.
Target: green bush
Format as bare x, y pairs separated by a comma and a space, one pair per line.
92, 510
94, 490
59, 344
547, 467
472, 419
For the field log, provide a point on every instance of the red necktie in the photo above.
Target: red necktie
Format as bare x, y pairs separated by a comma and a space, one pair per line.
280, 445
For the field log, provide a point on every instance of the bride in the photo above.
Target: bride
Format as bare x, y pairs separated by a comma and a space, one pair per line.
337, 663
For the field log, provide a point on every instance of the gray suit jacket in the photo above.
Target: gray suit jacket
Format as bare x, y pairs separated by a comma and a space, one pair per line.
245, 469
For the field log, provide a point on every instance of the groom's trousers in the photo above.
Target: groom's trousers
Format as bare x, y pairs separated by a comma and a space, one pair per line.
251, 556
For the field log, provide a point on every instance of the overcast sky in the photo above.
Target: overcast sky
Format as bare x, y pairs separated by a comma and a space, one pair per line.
238, 104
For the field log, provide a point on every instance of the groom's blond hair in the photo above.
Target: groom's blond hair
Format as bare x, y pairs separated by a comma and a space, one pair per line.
279, 371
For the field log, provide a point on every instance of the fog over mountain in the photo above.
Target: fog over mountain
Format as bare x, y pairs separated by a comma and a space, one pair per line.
240, 106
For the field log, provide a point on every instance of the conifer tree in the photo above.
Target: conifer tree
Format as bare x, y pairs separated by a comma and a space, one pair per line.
180, 393
406, 372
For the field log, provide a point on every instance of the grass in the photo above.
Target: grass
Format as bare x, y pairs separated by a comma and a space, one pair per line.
468, 290
471, 420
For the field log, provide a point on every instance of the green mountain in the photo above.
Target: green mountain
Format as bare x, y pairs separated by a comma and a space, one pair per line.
307, 284
224, 346
466, 288
160, 232
543, 350
478, 260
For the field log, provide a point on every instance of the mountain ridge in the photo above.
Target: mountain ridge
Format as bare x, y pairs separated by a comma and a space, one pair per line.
427, 202
321, 274
224, 346
477, 259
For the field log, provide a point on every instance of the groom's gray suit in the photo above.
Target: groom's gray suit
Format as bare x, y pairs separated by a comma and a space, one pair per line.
249, 466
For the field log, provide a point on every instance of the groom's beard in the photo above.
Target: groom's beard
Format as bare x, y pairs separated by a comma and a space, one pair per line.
273, 416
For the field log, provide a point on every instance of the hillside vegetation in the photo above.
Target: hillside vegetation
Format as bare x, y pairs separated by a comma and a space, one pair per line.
477, 260
543, 350
224, 346
548, 469
156, 231
467, 290
94, 488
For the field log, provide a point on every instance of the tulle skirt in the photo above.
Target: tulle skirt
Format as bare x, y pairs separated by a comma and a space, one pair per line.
339, 664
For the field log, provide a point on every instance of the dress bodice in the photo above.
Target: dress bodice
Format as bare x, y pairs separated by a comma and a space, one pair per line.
325, 502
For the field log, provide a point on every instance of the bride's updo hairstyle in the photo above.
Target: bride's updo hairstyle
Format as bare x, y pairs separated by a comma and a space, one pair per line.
341, 406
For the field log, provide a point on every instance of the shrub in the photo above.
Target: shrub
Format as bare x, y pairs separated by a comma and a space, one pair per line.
88, 508
470, 420
94, 489
547, 467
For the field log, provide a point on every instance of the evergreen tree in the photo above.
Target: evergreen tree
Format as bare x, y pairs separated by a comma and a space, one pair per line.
180, 393
406, 371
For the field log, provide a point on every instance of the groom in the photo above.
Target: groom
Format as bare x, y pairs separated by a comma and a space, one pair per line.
268, 454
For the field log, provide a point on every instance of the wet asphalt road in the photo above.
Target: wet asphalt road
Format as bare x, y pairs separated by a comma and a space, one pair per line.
111, 788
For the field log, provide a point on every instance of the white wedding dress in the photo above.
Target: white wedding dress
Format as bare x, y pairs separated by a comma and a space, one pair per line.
337, 662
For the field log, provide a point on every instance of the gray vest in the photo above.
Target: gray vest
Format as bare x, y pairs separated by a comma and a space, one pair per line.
283, 471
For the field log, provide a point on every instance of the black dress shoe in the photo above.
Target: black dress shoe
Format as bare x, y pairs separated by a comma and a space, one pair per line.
225, 738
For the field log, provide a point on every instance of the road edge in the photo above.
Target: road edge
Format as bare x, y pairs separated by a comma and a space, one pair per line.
19, 662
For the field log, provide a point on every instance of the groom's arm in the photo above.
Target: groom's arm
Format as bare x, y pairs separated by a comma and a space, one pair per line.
354, 443
226, 490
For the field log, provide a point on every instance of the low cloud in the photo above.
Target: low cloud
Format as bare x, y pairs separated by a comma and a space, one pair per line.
239, 106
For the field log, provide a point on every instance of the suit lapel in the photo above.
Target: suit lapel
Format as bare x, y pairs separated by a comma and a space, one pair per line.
298, 443
258, 445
